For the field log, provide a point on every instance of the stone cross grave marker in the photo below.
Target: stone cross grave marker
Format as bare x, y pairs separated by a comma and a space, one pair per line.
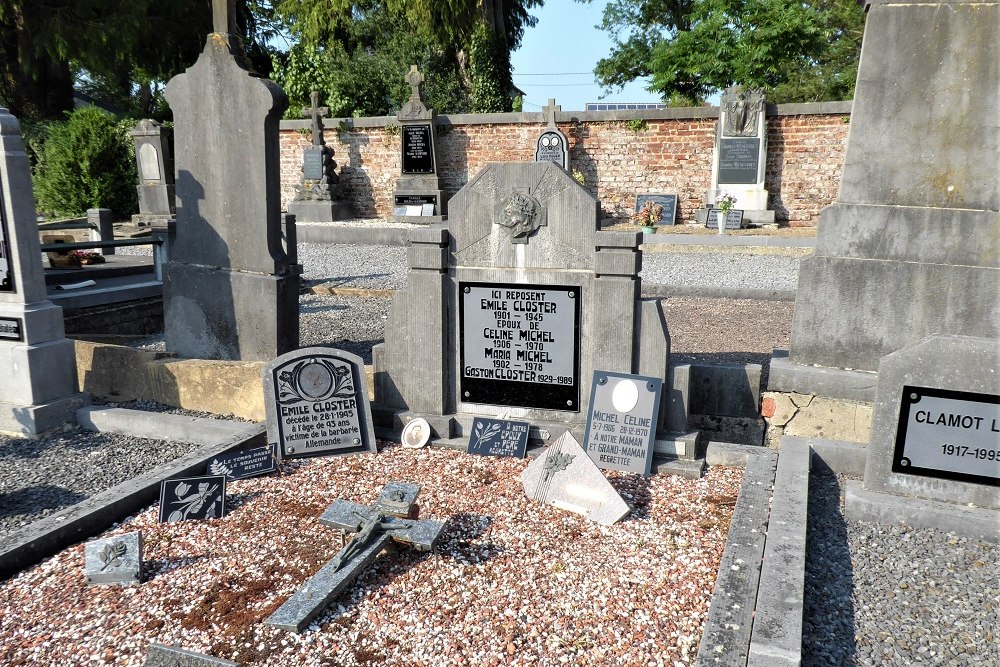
552, 145
388, 520
316, 401
316, 113
114, 560
566, 478
317, 198
418, 196
160, 655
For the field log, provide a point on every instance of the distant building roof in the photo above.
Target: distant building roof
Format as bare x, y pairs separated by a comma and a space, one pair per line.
623, 106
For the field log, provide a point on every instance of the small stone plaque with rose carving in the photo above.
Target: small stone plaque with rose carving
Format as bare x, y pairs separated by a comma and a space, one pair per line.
114, 560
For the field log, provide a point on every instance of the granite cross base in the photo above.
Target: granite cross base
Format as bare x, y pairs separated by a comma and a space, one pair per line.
376, 527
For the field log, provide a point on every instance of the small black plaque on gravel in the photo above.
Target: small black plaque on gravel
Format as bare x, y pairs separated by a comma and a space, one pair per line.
246, 463
193, 498
498, 437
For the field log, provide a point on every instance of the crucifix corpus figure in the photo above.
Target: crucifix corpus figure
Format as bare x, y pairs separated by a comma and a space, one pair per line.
393, 518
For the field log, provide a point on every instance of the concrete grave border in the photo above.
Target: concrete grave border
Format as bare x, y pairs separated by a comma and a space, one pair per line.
91, 516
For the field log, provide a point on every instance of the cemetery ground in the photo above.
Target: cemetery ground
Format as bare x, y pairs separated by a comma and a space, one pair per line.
514, 582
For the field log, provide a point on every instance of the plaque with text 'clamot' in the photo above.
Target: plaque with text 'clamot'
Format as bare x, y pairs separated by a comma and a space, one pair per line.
520, 345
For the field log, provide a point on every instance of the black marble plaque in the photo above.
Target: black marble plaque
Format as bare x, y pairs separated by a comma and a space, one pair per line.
948, 434
418, 149
193, 498
668, 202
520, 345
11, 329
498, 437
414, 200
247, 463
739, 159
621, 426
312, 163
734, 218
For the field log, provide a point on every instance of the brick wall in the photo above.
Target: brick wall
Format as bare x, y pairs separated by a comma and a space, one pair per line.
672, 155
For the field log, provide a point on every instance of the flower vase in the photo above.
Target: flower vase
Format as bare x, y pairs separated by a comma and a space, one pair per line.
720, 220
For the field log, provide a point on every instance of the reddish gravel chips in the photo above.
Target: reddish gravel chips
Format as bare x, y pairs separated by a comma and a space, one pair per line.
514, 582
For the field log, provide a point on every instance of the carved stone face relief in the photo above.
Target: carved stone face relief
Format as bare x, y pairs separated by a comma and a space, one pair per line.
521, 217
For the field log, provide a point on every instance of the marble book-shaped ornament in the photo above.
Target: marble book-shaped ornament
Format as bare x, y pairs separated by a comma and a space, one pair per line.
568, 479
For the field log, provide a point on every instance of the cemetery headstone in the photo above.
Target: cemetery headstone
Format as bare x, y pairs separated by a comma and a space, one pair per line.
911, 245
246, 463
316, 402
567, 478
155, 164
935, 437
552, 145
508, 312
317, 198
668, 202
498, 437
621, 426
190, 498
159, 655
230, 288
114, 560
741, 153
418, 196
374, 528
38, 389
733, 219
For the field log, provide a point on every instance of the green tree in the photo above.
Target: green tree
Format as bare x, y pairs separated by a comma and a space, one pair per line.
797, 50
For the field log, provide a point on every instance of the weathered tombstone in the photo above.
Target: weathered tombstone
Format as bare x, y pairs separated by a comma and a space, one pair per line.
155, 165
317, 199
552, 145
159, 655
912, 245
37, 362
567, 478
934, 456
230, 289
418, 196
621, 425
741, 153
245, 463
388, 520
668, 202
114, 560
192, 498
316, 402
498, 437
509, 311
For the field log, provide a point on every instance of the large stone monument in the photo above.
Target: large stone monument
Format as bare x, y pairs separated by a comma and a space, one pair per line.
912, 245
37, 363
230, 288
741, 153
317, 198
509, 311
418, 196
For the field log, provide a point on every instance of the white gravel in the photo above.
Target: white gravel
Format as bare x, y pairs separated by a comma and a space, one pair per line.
516, 582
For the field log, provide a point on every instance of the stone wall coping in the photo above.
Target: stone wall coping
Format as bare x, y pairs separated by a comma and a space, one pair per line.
538, 117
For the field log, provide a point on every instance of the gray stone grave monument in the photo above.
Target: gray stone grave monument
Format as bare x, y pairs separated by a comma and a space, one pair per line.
934, 456
552, 145
155, 165
317, 199
316, 402
160, 655
390, 519
418, 196
741, 154
230, 288
37, 363
508, 312
114, 560
911, 247
621, 425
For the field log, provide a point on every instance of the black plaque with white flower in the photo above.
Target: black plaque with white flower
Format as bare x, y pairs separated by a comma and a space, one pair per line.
245, 463
317, 403
193, 498
498, 437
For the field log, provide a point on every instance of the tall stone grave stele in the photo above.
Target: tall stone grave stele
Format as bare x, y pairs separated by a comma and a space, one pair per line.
508, 312
418, 196
230, 288
911, 247
552, 145
317, 199
37, 362
741, 153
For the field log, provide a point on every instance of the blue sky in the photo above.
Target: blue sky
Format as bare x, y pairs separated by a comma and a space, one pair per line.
566, 45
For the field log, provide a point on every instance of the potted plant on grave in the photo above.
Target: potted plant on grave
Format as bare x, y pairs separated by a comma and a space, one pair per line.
647, 217
724, 204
